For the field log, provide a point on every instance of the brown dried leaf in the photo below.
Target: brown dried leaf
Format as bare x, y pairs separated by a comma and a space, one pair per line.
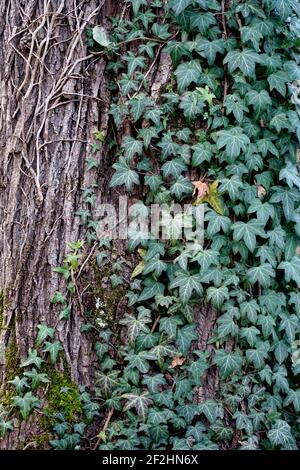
200, 189
261, 191
177, 361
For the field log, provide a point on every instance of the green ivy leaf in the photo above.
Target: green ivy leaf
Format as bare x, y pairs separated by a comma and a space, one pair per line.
44, 332
25, 404
234, 142
140, 402
136, 325
32, 359
228, 362
291, 270
136, 5
188, 284
124, 175
53, 349
180, 5
248, 231
262, 274
101, 36
187, 73
244, 60
280, 435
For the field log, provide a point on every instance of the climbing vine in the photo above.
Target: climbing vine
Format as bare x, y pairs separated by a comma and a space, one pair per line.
222, 131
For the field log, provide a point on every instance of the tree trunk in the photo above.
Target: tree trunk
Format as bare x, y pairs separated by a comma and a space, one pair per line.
54, 94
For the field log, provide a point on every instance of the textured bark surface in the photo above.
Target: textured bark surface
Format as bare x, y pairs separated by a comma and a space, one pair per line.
53, 95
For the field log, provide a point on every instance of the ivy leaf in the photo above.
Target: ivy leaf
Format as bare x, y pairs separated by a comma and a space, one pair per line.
210, 409
132, 147
134, 62
252, 34
25, 404
217, 223
202, 153
155, 265
151, 290
284, 8
154, 382
232, 186
140, 402
259, 100
181, 187
206, 258
136, 325
173, 167
228, 362
250, 310
188, 284
36, 378
236, 106
100, 36
234, 142
128, 85
291, 175
185, 336
124, 175
33, 359
107, 381
291, 269
227, 326
53, 349
19, 384
147, 134
248, 231
250, 333
261, 274
187, 73
293, 397
258, 355
161, 350
188, 411
244, 60
280, 435
180, 5
136, 5
209, 49
138, 361
138, 106
44, 332
264, 211
168, 146
191, 104
267, 323
5, 426
278, 81
280, 121
202, 21
217, 295
170, 325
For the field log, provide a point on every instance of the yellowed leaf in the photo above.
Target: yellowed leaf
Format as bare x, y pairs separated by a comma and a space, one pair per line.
142, 252
138, 269
212, 197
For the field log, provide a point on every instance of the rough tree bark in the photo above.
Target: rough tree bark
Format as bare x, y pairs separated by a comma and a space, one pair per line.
53, 95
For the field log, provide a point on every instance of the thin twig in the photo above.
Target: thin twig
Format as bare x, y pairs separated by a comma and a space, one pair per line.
106, 424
